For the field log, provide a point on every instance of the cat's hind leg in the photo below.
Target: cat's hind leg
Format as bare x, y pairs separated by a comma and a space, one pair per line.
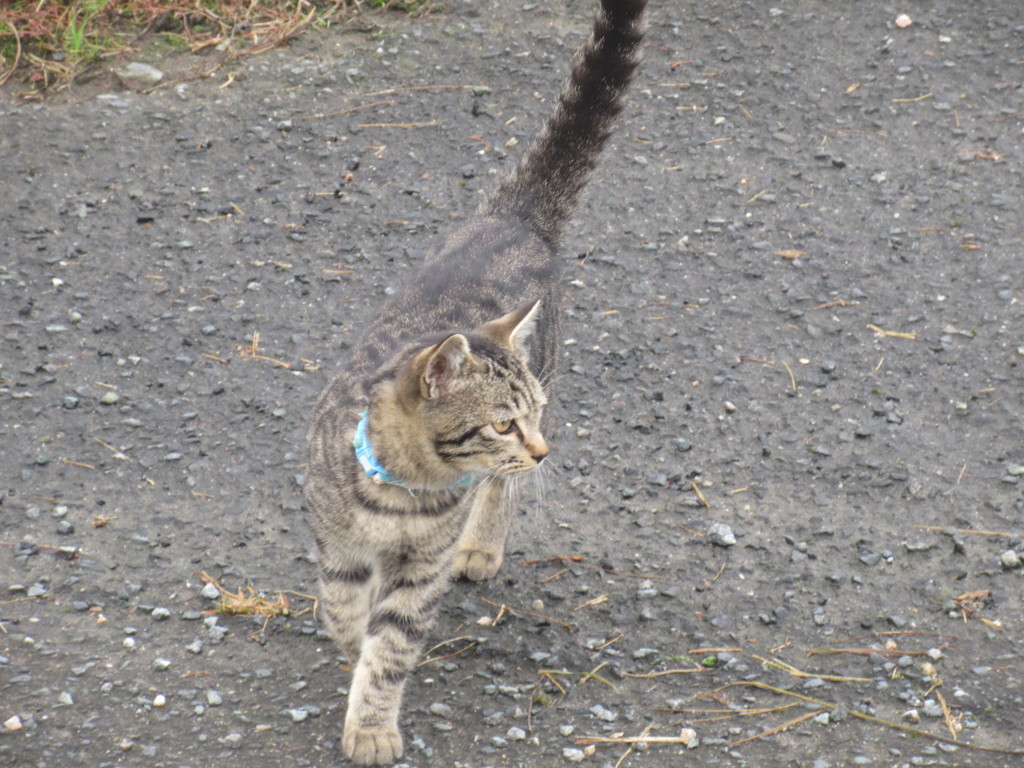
411, 587
481, 548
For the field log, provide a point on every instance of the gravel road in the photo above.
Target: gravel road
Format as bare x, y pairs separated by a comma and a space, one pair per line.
783, 526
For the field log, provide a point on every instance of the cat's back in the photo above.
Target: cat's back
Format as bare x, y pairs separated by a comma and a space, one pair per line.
484, 269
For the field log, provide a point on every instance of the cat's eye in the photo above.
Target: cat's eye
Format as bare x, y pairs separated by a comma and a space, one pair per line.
503, 427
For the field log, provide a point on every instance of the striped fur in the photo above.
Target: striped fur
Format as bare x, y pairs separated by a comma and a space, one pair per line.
452, 375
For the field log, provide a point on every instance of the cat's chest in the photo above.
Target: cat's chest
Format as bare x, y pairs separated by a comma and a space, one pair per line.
409, 522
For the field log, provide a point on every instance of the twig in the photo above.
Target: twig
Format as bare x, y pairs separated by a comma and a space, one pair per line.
664, 672
427, 124
323, 115
892, 334
117, 454
76, 463
17, 54
609, 643
696, 489
779, 728
866, 652
791, 255
792, 378
613, 572
868, 718
836, 303
432, 659
947, 716
911, 101
962, 530
595, 601
584, 740
585, 675
528, 613
554, 576
800, 673
390, 91
727, 713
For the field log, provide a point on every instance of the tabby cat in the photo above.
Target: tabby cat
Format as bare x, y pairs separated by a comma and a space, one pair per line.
416, 445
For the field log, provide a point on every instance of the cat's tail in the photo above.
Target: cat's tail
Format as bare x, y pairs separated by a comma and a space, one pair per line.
544, 188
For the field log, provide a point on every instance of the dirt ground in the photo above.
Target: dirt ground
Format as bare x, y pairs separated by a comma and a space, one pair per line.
795, 313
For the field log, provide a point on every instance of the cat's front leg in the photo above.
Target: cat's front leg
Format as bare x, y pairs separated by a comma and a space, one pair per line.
398, 623
481, 548
347, 589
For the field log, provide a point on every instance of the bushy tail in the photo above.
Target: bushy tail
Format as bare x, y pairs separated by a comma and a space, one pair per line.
544, 188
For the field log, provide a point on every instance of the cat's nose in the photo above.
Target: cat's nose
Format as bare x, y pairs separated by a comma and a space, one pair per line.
538, 449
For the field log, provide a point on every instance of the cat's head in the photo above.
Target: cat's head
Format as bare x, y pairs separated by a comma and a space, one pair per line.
474, 399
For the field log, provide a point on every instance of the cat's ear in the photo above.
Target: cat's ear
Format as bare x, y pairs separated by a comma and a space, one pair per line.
512, 330
442, 364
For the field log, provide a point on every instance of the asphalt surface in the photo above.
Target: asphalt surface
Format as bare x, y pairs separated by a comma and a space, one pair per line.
791, 402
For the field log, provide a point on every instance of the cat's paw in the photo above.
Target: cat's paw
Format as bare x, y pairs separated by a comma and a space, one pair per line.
372, 746
476, 564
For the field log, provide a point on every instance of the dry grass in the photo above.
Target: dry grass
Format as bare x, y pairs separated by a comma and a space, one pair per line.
48, 44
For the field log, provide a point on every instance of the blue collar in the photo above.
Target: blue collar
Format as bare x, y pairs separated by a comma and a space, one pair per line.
373, 468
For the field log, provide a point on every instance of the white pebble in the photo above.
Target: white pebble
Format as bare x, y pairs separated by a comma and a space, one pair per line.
1009, 559
159, 700
210, 591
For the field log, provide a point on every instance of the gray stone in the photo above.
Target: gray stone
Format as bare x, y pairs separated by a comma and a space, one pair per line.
721, 534
136, 76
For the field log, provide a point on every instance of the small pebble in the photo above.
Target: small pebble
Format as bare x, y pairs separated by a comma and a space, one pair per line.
1009, 559
441, 710
721, 534
213, 698
159, 700
573, 754
232, 740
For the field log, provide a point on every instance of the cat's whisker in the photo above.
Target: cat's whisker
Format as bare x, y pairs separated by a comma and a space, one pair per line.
549, 384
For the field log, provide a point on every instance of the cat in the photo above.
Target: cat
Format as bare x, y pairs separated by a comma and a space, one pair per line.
416, 446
